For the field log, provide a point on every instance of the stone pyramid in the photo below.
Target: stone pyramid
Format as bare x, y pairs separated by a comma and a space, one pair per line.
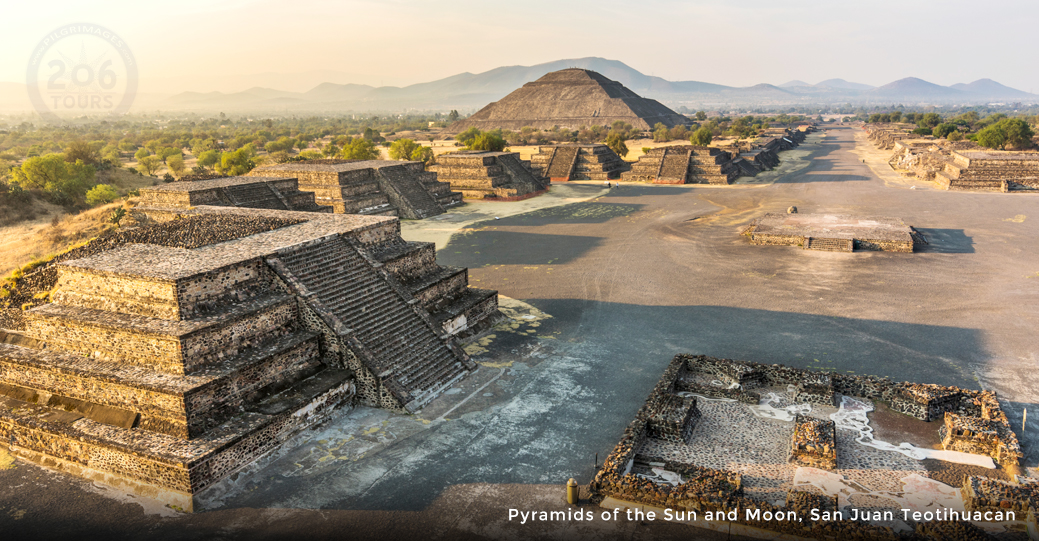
570, 98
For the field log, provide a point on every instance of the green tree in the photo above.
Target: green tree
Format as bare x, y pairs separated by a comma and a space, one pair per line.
175, 163
452, 116
208, 158
165, 152
237, 162
101, 194
488, 141
148, 165
141, 152
616, 143
82, 151
424, 155
330, 149
701, 116
701, 137
929, 120
468, 136
1011, 133
402, 149
943, 130
63, 182
360, 149
660, 133
198, 146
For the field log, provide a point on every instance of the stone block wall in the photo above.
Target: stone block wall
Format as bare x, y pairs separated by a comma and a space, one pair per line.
814, 443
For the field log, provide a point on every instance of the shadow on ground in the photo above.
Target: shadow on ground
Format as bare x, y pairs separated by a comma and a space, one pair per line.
946, 241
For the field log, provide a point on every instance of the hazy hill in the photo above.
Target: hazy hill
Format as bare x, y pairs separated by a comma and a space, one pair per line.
471, 91
842, 84
988, 87
911, 88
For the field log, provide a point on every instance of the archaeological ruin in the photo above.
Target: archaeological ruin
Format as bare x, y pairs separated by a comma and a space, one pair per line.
563, 163
688, 164
956, 165
684, 164
373, 187
163, 358
570, 98
756, 442
245, 192
834, 232
990, 170
489, 176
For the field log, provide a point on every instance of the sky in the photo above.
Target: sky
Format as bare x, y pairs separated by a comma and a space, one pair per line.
227, 45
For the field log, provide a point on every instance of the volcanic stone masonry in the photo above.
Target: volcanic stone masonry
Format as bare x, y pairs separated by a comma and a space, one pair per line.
684, 164
834, 232
275, 193
956, 165
480, 174
379, 187
814, 443
562, 163
193, 346
973, 420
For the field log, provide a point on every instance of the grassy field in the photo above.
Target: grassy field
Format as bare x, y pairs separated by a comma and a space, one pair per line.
52, 232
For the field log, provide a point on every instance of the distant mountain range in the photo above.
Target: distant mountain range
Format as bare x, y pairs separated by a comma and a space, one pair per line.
468, 92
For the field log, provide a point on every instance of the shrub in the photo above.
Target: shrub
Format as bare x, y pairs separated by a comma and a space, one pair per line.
101, 194
701, 137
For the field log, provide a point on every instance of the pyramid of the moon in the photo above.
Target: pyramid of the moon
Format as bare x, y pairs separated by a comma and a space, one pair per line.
570, 98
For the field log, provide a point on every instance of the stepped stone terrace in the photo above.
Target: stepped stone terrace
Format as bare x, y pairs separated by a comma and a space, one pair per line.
562, 163
274, 193
685, 164
760, 441
990, 170
374, 187
175, 357
834, 232
480, 174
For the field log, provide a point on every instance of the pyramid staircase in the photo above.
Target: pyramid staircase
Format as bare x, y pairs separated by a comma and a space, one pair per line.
412, 359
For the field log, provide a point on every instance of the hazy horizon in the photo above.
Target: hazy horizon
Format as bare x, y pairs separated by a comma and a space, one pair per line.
205, 46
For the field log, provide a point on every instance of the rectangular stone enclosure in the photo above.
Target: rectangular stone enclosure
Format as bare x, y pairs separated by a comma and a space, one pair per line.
834, 232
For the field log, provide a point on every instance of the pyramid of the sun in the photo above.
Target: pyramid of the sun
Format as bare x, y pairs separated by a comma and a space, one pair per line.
570, 98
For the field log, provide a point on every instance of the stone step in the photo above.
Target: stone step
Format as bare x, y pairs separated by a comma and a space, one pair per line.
436, 287
180, 406
171, 346
468, 313
416, 201
399, 340
175, 466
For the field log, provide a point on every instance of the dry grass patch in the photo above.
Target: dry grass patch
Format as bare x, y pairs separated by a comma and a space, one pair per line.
54, 233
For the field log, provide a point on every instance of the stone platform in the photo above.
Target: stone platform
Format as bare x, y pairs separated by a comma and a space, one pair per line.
833, 232
685, 164
562, 163
373, 187
760, 443
276, 193
165, 364
480, 174
994, 171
